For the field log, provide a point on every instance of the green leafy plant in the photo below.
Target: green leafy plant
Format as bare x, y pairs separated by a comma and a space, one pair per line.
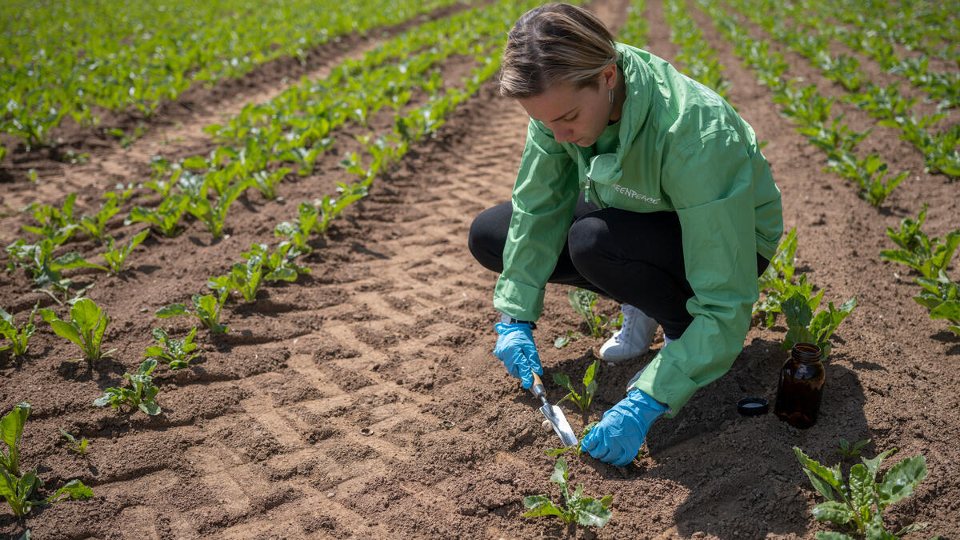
56, 224
576, 508
45, 270
266, 181
246, 278
18, 336
214, 215
11, 431
942, 298
142, 396
166, 217
562, 341
96, 224
86, 327
860, 506
176, 352
205, 307
805, 327
848, 451
777, 280
299, 231
583, 301
331, 207
18, 491
582, 401
928, 256
116, 258
72, 444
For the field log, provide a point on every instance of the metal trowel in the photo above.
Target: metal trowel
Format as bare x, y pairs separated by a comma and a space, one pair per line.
553, 414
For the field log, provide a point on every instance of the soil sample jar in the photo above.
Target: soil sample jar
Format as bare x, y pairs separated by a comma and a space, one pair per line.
801, 385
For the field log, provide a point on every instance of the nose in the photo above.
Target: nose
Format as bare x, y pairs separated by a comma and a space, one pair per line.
562, 135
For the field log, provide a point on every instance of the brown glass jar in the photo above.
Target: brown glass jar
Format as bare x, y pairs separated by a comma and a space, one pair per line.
801, 386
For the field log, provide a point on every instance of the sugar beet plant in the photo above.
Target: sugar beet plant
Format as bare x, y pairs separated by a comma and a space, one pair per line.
576, 508
261, 265
141, 396
19, 491
205, 307
582, 401
583, 302
177, 353
858, 508
19, 336
86, 327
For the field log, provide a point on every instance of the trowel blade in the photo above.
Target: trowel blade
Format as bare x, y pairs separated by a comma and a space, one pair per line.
559, 423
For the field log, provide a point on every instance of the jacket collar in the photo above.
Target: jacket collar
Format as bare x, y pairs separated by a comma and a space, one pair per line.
608, 168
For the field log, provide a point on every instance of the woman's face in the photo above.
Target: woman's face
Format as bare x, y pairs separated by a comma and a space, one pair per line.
574, 115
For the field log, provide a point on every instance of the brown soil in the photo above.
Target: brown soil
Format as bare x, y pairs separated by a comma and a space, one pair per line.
363, 401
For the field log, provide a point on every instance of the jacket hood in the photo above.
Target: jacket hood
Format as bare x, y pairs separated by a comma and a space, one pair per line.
640, 86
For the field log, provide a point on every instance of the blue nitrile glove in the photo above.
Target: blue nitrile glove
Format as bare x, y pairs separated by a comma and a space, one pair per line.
515, 348
616, 439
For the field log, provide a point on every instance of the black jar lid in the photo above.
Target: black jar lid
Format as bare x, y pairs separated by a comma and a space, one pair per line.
752, 406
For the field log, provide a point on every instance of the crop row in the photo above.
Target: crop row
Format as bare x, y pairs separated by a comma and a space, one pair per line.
939, 149
74, 58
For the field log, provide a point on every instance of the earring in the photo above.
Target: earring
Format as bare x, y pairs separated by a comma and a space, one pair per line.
611, 96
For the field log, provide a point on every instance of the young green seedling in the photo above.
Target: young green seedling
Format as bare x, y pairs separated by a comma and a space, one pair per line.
861, 505
19, 336
918, 251
56, 224
847, 452
299, 231
942, 297
142, 395
575, 448
117, 257
214, 215
590, 387
11, 430
96, 225
583, 302
165, 217
807, 328
18, 491
576, 508
564, 340
175, 352
267, 182
205, 307
72, 444
86, 327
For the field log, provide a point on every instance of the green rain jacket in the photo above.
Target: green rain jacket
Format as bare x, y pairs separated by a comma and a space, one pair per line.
683, 149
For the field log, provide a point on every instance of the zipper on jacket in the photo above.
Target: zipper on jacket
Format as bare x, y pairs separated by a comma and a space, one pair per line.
590, 194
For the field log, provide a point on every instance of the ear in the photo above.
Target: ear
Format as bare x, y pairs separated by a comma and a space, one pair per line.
608, 77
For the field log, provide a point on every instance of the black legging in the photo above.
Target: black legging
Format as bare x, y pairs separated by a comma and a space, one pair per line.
634, 258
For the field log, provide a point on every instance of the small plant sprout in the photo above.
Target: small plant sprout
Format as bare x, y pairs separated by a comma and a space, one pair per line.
86, 327
205, 307
576, 508
141, 396
582, 401
214, 215
851, 452
175, 352
117, 257
860, 506
575, 448
95, 225
11, 430
18, 335
583, 301
564, 340
806, 327
267, 182
166, 217
72, 444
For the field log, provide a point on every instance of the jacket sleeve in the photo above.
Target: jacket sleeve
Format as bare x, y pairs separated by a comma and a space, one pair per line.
544, 197
710, 184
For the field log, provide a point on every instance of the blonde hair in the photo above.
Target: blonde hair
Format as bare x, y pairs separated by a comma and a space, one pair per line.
555, 43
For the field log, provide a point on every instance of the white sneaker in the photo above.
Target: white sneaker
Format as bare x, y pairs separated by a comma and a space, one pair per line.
633, 338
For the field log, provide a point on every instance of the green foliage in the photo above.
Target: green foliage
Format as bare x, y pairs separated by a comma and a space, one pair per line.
205, 307
576, 508
86, 327
96, 224
860, 505
298, 232
72, 444
19, 491
868, 173
805, 327
246, 278
56, 224
850, 452
582, 401
166, 217
142, 396
213, 215
331, 207
777, 280
562, 341
267, 181
928, 256
942, 298
11, 431
116, 258
575, 448
175, 352
19, 336
583, 302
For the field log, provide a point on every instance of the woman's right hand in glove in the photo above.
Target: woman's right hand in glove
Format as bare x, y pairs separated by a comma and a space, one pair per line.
515, 348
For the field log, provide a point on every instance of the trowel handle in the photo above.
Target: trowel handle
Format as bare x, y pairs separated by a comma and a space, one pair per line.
537, 388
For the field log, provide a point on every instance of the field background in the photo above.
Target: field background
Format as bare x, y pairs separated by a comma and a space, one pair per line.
392, 334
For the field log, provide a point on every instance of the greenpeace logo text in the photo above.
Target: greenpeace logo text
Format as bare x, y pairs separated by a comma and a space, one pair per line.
631, 193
